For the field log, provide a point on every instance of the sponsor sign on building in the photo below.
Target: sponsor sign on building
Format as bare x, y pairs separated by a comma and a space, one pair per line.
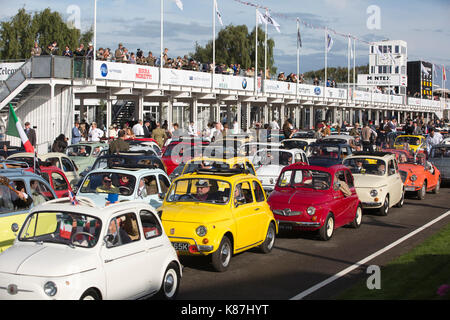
382, 80
7, 69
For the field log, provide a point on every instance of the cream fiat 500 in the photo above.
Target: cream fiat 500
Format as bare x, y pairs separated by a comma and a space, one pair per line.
71, 252
377, 180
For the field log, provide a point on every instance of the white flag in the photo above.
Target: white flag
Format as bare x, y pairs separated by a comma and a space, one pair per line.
270, 20
179, 4
329, 42
219, 15
261, 19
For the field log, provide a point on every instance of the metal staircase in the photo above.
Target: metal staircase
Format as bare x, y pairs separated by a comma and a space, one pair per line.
122, 112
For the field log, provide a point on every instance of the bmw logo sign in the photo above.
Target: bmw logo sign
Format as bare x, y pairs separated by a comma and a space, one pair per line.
317, 91
244, 84
104, 70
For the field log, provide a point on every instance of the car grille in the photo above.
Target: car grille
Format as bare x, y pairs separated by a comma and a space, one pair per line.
287, 212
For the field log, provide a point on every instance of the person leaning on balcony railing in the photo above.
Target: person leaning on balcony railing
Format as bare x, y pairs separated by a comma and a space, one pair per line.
67, 52
36, 51
78, 60
119, 55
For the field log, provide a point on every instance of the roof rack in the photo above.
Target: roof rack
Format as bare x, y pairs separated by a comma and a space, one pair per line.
222, 171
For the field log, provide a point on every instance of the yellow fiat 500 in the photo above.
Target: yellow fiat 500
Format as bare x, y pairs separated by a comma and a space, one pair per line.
415, 143
218, 212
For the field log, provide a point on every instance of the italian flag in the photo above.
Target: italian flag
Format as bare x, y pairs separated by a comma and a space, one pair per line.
15, 129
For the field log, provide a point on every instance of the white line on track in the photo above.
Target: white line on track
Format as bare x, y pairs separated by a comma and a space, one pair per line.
307, 292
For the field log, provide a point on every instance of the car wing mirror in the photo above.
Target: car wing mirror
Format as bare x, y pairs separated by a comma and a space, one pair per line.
161, 195
14, 227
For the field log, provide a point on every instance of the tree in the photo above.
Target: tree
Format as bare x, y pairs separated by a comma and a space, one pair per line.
17, 36
338, 74
234, 45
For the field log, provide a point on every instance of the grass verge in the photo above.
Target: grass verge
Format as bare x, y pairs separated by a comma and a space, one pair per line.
417, 274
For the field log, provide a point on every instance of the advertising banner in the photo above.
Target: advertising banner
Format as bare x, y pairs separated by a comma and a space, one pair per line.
7, 69
125, 72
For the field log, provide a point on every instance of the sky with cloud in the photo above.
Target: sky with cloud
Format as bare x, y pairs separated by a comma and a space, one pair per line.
424, 25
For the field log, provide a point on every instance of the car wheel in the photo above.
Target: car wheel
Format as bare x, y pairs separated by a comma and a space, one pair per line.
221, 257
384, 210
327, 230
269, 242
422, 192
356, 223
90, 295
438, 186
402, 200
170, 284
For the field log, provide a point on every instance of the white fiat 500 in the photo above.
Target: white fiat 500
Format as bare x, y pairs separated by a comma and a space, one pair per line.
70, 252
377, 180
270, 162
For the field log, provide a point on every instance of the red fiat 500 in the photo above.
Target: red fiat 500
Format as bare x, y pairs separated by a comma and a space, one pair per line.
315, 198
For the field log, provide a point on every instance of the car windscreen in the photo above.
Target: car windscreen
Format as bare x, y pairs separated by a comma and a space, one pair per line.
324, 151
200, 190
109, 182
409, 140
204, 164
79, 151
68, 228
440, 152
367, 165
270, 157
304, 178
295, 144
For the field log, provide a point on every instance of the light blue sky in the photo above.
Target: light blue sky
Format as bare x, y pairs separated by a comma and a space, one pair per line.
424, 25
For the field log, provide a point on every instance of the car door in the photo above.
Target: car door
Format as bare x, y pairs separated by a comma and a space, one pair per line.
59, 184
431, 176
341, 202
353, 200
261, 207
155, 248
124, 258
246, 214
395, 183
151, 190
12, 210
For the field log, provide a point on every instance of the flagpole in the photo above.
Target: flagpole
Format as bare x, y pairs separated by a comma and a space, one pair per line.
354, 67
265, 50
95, 29
326, 64
256, 53
161, 42
348, 65
298, 59
214, 44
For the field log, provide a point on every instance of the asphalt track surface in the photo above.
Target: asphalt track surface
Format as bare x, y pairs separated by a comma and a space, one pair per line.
300, 261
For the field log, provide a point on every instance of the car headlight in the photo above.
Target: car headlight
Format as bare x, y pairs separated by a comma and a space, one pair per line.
201, 231
311, 211
50, 288
413, 177
373, 193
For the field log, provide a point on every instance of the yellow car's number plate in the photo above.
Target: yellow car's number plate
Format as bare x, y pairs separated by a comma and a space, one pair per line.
181, 246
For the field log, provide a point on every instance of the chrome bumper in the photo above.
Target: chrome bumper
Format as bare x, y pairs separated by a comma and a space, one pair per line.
299, 224
371, 204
